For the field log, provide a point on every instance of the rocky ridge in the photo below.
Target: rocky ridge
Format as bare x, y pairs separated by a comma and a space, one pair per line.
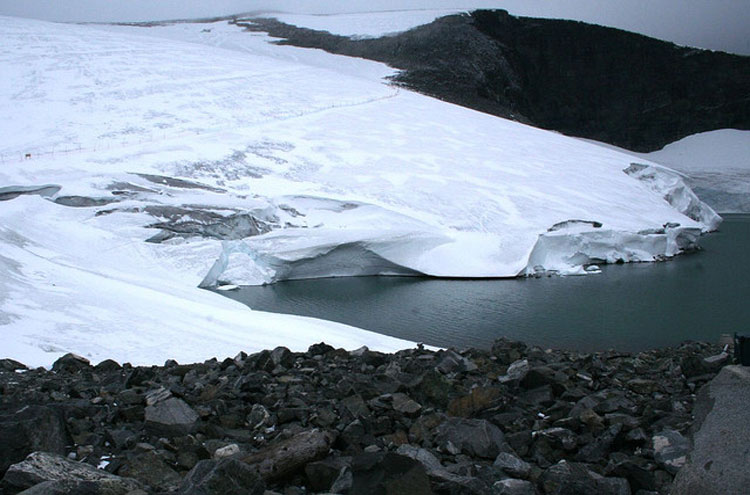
515, 419
580, 79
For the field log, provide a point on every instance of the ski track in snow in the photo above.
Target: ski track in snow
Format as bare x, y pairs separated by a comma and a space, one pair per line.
353, 176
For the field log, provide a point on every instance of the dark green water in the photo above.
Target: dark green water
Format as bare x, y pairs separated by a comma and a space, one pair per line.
627, 307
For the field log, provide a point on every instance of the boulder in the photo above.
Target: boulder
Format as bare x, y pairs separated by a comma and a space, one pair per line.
516, 371
71, 363
151, 469
170, 418
718, 463
474, 437
427, 458
453, 362
404, 404
513, 487
29, 429
11, 365
41, 466
670, 450
571, 478
479, 399
221, 477
291, 455
512, 465
322, 474
388, 474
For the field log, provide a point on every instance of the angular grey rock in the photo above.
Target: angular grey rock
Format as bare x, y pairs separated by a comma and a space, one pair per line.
41, 466
474, 437
571, 478
157, 395
227, 451
670, 450
513, 487
404, 404
453, 362
222, 477
718, 463
428, 460
172, 417
29, 429
516, 371
512, 465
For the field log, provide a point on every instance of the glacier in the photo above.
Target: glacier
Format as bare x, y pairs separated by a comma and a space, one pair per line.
142, 163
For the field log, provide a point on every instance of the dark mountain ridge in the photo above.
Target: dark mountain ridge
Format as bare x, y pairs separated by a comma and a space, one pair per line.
576, 78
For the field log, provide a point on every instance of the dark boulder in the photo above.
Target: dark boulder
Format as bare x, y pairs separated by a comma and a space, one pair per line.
388, 474
171, 417
11, 365
29, 429
474, 437
71, 363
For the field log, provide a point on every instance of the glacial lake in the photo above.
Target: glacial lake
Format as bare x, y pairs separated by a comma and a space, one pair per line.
627, 307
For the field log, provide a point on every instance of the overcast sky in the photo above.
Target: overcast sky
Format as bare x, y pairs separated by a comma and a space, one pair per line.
715, 24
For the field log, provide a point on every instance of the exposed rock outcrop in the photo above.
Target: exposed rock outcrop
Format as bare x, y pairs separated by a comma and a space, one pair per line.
580, 79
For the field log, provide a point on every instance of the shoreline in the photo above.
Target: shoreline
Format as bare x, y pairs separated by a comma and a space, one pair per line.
328, 420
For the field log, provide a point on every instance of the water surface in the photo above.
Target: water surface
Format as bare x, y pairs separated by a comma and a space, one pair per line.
626, 307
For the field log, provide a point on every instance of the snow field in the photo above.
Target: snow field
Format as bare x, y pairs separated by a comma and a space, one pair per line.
354, 176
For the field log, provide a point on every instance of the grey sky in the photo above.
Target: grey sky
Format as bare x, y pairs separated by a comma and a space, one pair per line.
715, 24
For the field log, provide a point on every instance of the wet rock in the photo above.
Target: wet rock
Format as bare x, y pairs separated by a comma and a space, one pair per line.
29, 429
670, 450
388, 474
212, 477
474, 437
170, 418
71, 363
39, 467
